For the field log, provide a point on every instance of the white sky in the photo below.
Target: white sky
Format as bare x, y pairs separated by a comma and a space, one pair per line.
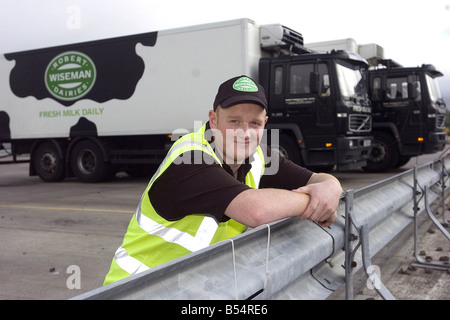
412, 32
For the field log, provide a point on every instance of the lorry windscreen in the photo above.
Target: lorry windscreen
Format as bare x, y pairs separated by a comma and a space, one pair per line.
351, 81
433, 90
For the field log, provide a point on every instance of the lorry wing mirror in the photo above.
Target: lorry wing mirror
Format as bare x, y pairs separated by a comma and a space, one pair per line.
314, 82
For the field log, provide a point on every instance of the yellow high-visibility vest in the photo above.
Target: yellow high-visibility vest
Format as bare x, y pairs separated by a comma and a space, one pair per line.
151, 240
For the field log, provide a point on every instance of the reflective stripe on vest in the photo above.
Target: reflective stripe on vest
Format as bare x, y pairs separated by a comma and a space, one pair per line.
202, 238
257, 169
147, 221
128, 263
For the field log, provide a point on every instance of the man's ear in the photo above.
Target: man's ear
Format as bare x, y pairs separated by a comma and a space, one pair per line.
212, 119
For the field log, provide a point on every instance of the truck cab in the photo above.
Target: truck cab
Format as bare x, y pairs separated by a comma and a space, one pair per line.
408, 114
320, 105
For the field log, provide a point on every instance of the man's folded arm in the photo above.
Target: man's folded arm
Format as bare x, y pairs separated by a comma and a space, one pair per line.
255, 207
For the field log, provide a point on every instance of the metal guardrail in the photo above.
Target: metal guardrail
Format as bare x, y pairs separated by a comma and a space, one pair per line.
293, 258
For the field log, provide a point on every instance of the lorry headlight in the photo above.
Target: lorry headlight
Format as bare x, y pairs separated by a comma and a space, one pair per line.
351, 143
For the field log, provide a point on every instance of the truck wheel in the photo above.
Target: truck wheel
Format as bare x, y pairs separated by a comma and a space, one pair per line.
384, 155
402, 161
88, 163
48, 164
289, 149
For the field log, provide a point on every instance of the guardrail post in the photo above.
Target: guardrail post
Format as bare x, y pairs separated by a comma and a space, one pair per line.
368, 267
363, 231
444, 173
416, 213
349, 252
420, 262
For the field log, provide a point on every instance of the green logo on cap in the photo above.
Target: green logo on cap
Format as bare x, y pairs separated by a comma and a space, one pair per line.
70, 75
245, 84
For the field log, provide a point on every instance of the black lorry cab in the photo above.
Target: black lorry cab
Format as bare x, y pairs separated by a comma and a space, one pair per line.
408, 114
320, 106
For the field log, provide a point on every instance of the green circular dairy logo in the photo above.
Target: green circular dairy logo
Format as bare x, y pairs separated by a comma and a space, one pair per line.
245, 84
70, 75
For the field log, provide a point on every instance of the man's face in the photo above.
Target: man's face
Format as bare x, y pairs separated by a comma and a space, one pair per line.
237, 130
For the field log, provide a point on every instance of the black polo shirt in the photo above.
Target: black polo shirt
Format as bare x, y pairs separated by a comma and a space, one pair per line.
208, 188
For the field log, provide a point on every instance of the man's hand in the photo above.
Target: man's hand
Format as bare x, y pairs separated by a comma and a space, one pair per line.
325, 191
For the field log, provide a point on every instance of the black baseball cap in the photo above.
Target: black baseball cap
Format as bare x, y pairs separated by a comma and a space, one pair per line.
240, 90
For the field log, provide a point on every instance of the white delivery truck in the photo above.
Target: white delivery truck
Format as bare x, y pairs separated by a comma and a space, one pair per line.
91, 109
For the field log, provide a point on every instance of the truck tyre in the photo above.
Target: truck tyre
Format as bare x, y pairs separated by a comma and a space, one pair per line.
88, 163
48, 163
384, 155
289, 149
402, 161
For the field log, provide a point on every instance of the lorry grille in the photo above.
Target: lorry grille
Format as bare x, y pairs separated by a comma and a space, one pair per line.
360, 123
440, 121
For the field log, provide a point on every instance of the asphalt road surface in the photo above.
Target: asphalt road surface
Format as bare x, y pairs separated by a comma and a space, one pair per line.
58, 239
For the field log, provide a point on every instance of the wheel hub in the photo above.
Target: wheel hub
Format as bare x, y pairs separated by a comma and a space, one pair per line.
86, 162
48, 162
